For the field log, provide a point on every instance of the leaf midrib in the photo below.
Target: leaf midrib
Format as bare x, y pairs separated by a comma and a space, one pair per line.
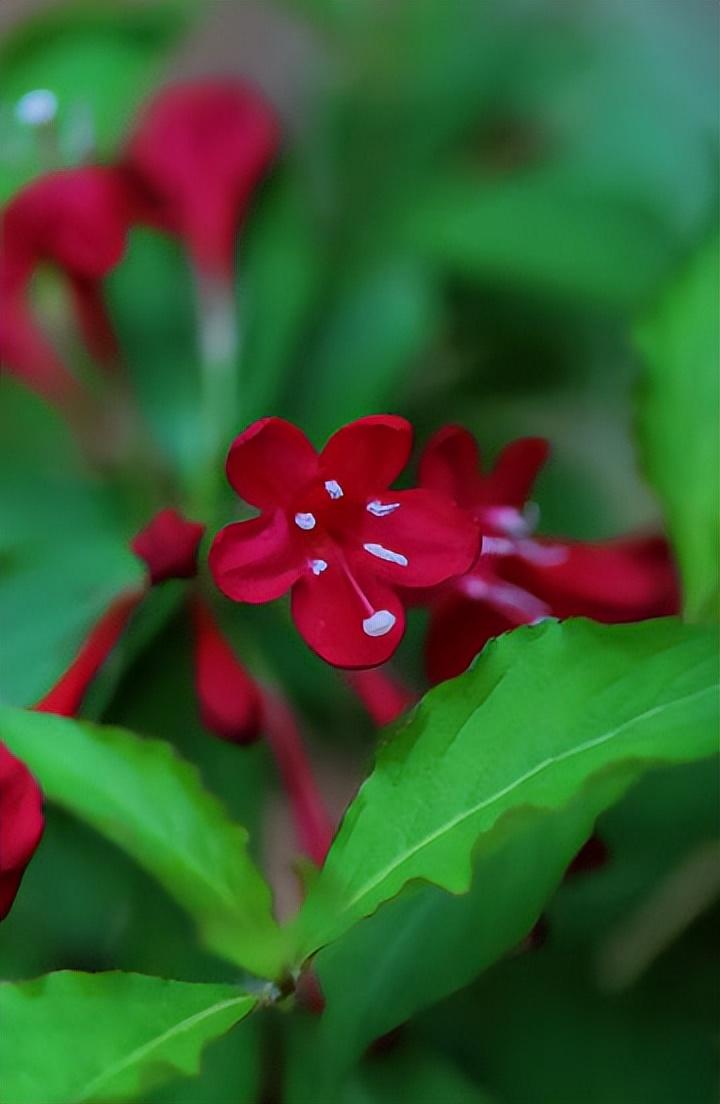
136, 1055
448, 826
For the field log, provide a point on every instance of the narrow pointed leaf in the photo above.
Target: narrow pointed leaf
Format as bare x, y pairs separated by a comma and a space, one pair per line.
141, 795
544, 713
678, 422
74, 1038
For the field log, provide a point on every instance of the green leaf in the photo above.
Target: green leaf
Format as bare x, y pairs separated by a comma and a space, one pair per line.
546, 713
64, 552
73, 1038
142, 796
678, 421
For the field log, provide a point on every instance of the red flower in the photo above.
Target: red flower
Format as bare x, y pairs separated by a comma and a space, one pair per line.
76, 220
518, 579
228, 699
199, 150
21, 825
331, 530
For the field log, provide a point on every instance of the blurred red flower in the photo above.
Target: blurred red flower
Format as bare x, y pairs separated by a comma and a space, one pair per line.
228, 699
331, 530
198, 150
518, 579
76, 220
21, 825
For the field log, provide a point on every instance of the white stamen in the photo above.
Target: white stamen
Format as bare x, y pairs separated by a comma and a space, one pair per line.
318, 566
474, 587
380, 623
305, 521
509, 520
497, 546
381, 509
333, 488
545, 555
386, 554
37, 108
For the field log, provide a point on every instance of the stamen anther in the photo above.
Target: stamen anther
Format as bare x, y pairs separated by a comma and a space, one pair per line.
380, 623
386, 554
305, 521
318, 566
381, 509
333, 488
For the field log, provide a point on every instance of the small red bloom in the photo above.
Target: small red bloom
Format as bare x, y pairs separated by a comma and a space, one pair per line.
230, 703
518, 579
199, 150
169, 546
332, 530
21, 825
76, 220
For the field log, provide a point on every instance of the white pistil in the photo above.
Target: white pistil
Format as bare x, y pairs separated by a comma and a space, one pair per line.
386, 554
381, 509
380, 623
544, 555
318, 566
333, 488
305, 521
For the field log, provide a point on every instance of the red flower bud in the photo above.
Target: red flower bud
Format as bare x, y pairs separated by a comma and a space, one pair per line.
199, 150
230, 703
331, 529
67, 694
383, 696
168, 545
21, 825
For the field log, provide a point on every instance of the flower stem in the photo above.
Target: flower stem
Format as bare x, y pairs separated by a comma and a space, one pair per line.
312, 823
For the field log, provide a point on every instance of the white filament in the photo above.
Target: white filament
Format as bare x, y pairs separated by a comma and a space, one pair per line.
386, 554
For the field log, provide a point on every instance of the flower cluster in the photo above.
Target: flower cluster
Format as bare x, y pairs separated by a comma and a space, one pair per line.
331, 529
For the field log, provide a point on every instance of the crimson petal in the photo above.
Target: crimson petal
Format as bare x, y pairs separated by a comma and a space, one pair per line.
230, 702
270, 462
367, 455
21, 824
511, 481
339, 625
257, 560
460, 627
418, 538
450, 465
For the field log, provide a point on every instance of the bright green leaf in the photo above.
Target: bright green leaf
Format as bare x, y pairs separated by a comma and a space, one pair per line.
678, 421
142, 796
545, 713
73, 1038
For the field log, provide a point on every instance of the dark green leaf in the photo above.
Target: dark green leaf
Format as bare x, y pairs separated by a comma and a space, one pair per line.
72, 1038
148, 801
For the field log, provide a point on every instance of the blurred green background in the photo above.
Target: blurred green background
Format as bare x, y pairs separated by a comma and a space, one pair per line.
502, 213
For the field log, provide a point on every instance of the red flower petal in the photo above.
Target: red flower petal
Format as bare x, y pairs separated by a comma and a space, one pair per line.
450, 464
367, 455
459, 628
613, 581
21, 824
67, 694
257, 560
270, 462
418, 538
511, 481
349, 622
230, 703
169, 546
200, 149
